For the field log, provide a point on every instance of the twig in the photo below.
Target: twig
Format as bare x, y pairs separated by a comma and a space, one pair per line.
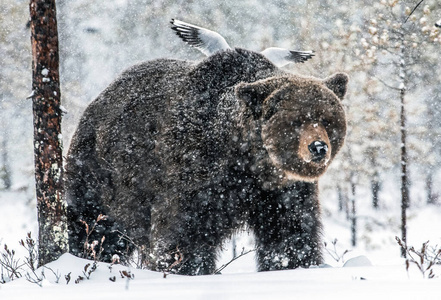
67, 277
10, 264
29, 245
413, 11
179, 257
87, 272
56, 274
89, 249
37, 280
130, 259
386, 84
217, 271
423, 261
334, 253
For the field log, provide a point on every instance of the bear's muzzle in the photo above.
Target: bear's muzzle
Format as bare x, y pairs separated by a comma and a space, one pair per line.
314, 144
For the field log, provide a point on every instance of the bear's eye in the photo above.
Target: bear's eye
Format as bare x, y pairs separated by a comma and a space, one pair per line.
325, 122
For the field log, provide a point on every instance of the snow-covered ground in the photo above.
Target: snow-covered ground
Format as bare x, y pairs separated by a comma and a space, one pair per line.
378, 282
377, 270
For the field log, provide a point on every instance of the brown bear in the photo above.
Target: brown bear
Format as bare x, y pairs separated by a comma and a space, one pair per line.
179, 155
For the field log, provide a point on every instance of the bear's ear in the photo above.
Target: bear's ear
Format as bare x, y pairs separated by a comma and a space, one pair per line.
337, 83
254, 94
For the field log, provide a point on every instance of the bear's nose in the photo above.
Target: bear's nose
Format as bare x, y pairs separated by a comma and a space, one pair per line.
318, 150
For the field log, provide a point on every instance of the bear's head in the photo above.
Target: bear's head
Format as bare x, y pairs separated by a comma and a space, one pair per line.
302, 121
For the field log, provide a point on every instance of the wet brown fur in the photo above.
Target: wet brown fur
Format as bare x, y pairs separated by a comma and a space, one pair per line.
180, 155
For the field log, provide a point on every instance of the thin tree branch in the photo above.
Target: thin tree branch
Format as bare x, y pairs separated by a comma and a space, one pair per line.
217, 271
413, 11
386, 84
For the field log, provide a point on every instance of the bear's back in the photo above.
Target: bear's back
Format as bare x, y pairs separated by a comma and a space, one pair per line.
111, 158
157, 122
228, 68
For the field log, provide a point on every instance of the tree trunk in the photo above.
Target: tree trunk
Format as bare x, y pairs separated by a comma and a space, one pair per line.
340, 198
234, 247
375, 187
429, 188
403, 130
52, 239
5, 169
404, 159
353, 214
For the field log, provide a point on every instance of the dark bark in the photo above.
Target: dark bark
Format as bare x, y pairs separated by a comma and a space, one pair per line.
47, 132
5, 168
353, 214
403, 131
375, 187
404, 160
340, 198
429, 187
234, 247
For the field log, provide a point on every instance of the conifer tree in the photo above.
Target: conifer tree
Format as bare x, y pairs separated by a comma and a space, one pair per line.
52, 240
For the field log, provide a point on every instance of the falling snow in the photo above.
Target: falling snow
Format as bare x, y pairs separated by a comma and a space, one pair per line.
99, 41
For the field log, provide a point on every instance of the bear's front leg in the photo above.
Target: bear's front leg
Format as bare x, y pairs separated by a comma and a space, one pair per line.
287, 227
183, 259
187, 236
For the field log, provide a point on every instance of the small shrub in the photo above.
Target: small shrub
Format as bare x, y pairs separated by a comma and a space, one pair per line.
90, 250
337, 256
10, 266
424, 259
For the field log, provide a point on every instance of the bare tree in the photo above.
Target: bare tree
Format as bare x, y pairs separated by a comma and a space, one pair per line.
47, 132
5, 170
402, 44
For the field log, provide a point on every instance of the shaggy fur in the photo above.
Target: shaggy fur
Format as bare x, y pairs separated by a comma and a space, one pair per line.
180, 155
